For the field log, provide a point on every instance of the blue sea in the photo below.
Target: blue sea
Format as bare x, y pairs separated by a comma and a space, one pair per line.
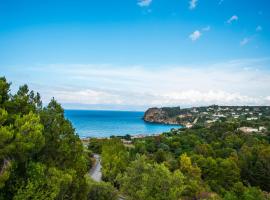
92, 123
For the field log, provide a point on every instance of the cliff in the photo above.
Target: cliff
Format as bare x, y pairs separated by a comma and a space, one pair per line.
162, 115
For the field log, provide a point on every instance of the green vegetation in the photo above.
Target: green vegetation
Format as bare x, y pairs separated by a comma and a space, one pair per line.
215, 162
40, 155
172, 111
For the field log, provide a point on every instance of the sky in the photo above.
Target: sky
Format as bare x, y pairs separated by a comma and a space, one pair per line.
135, 54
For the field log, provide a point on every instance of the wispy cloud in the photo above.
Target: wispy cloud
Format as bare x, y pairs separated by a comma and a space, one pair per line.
245, 41
232, 19
207, 28
144, 3
195, 35
193, 4
258, 28
238, 82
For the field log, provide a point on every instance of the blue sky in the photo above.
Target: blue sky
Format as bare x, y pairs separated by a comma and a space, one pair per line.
130, 54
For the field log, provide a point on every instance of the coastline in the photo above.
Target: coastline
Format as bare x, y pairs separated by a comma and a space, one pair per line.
121, 136
104, 124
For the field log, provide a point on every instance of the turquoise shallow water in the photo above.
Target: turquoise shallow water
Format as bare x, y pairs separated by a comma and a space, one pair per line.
91, 123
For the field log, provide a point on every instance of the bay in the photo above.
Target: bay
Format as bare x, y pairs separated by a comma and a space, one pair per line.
96, 123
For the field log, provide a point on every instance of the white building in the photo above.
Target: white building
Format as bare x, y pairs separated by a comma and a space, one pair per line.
248, 130
252, 118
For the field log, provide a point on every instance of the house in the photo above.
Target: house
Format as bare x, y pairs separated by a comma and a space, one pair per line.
248, 129
210, 121
189, 125
126, 141
252, 118
262, 128
194, 110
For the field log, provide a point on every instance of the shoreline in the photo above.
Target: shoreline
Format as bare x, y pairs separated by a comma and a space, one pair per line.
162, 123
133, 136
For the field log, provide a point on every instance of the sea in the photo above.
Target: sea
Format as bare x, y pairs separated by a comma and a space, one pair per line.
96, 123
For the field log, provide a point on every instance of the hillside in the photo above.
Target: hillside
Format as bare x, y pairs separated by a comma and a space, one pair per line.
206, 115
216, 162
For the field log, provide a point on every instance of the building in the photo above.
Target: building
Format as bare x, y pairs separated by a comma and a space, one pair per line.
248, 129
252, 118
189, 125
262, 128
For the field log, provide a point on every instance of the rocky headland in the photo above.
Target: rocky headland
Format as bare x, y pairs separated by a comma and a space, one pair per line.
162, 115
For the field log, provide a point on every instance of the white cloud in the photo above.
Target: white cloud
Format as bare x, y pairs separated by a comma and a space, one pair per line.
208, 97
193, 4
207, 28
245, 41
238, 82
144, 3
195, 35
233, 18
258, 28
86, 96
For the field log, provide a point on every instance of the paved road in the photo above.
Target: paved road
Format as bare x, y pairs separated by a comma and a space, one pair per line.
95, 171
96, 174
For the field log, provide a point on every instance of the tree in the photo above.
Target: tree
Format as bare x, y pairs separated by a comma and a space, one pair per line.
41, 157
255, 165
239, 191
192, 173
4, 91
261, 169
114, 161
28, 138
43, 183
227, 173
101, 191
205, 150
143, 180
95, 145
62, 149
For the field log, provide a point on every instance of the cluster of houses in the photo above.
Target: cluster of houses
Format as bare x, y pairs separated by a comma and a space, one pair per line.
211, 114
214, 113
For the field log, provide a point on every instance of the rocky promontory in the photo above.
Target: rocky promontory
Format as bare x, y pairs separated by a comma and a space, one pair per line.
205, 115
164, 115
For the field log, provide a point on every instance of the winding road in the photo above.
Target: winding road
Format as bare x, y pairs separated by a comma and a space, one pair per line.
95, 171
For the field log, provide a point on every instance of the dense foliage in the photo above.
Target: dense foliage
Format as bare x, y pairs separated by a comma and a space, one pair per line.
172, 111
40, 155
216, 162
